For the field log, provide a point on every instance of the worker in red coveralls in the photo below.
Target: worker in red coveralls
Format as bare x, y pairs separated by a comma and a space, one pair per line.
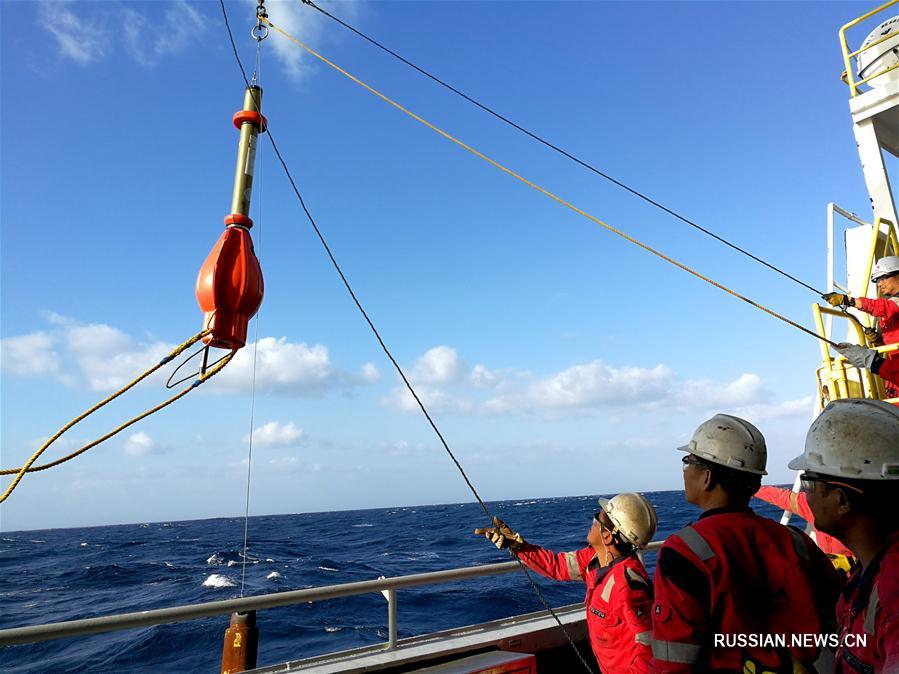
619, 591
840, 556
732, 584
885, 274
851, 464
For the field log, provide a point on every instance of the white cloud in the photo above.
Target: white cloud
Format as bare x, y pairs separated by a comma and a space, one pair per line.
585, 386
83, 40
29, 355
306, 25
139, 444
303, 23
83, 33
274, 434
370, 373
104, 357
148, 42
582, 388
282, 367
107, 357
434, 400
702, 393
801, 408
439, 365
483, 378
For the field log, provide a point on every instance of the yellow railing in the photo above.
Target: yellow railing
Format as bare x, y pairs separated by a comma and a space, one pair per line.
837, 379
848, 76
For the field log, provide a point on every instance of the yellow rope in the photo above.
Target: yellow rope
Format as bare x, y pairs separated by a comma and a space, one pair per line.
542, 190
29, 468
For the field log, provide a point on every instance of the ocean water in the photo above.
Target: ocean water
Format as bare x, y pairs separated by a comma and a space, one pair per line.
67, 574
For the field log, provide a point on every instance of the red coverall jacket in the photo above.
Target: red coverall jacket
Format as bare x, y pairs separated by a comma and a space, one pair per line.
869, 607
797, 502
736, 576
619, 600
887, 310
889, 372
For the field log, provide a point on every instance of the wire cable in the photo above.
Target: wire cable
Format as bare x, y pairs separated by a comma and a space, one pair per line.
549, 194
246, 517
390, 356
562, 151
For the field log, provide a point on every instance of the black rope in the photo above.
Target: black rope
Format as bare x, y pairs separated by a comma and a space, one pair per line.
387, 352
561, 151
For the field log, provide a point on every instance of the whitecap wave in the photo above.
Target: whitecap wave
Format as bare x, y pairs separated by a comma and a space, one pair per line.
269, 559
214, 560
328, 568
364, 524
231, 562
333, 629
217, 580
83, 545
169, 565
273, 575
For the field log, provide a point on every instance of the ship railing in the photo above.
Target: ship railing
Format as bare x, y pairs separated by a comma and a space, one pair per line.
848, 55
387, 586
837, 378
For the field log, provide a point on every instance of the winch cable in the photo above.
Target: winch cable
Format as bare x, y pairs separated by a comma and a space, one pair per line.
564, 152
393, 360
258, 247
29, 466
549, 194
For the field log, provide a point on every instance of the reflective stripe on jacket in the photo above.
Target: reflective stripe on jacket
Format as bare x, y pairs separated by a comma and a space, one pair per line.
733, 574
618, 601
869, 608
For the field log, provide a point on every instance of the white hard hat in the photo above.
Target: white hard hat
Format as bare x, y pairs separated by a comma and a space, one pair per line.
885, 266
730, 441
856, 438
633, 517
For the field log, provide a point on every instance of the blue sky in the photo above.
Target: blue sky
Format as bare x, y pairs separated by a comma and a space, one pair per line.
556, 358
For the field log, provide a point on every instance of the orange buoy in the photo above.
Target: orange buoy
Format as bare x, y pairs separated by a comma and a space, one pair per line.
229, 287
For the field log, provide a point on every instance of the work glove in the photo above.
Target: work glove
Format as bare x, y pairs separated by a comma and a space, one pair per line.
859, 356
873, 337
501, 535
837, 299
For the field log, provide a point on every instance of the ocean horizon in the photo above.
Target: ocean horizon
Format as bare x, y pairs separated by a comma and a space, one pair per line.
53, 575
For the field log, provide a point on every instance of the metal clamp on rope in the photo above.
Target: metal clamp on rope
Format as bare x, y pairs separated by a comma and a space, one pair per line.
260, 30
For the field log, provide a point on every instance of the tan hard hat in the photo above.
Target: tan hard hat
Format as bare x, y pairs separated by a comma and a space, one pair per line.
730, 441
633, 517
856, 438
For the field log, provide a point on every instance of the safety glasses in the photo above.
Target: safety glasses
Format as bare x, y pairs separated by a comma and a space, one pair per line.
807, 483
597, 520
690, 460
